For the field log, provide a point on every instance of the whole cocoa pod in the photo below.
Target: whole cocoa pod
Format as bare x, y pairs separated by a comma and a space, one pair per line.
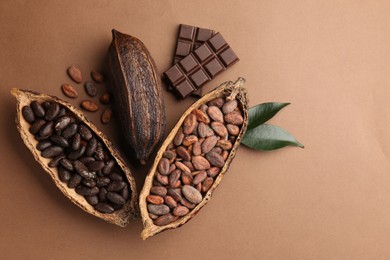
138, 94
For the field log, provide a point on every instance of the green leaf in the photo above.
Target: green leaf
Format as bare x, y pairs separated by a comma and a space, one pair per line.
269, 137
261, 113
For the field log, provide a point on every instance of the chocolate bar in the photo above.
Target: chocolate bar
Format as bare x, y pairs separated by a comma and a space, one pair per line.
201, 66
189, 39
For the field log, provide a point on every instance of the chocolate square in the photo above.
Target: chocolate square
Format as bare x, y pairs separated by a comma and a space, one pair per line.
174, 75
183, 48
186, 32
188, 63
202, 53
217, 42
213, 67
199, 78
185, 88
228, 57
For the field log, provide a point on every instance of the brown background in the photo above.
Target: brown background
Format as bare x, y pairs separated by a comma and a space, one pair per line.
330, 59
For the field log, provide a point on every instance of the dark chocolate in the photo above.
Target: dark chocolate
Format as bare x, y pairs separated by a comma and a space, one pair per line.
201, 66
190, 38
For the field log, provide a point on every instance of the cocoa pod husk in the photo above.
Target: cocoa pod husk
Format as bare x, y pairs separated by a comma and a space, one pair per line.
137, 93
120, 217
229, 90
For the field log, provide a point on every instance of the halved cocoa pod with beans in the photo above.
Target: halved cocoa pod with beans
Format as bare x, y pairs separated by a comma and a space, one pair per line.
193, 159
79, 158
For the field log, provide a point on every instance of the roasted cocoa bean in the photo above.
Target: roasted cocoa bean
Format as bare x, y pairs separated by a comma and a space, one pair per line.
201, 116
163, 166
209, 143
106, 116
215, 113
191, 194
90, 89
83, 170
89, 105
42, 145
182, 167
116, 198
105, 98
28, 114
97, 76
116, 186
219, 129
158, 190
183, 153
158, 209
165, 220
64, 174
104, 208
233, 129
62, 123
36, 126
84, 190
52, 151
74, 181
75, 74
225, 144
59, 140
180, 211
229, 106
234, 118
174, 177
52, 112
189, 124
155, 199
215, 159
46, 130
207, 183
205, 130
39, 111
168, 200
199, 177
93, 200
70, 130
200, 163
69, 91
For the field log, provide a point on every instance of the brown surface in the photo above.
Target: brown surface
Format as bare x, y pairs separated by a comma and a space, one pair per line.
330, 59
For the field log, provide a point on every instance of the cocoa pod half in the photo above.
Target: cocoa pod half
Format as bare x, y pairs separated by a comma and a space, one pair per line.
138, 94
196, 187
120, 217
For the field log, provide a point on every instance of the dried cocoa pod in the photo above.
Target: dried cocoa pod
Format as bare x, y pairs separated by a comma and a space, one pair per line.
137, 93
204, 185
119, 217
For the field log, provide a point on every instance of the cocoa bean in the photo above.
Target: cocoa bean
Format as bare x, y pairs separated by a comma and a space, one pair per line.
206, 184
155, 199
233, 129
165, 220
182, 167
38, 109
189, 124
90, 89
183, 153
163, 166
158, 209
89, 105
205, 130
106, 116
179, 137
199, 178
219, 129
180, 211
28, 114
215, 159
97, 76
191, 194
200, 163
229, 106
215, 114
201, 116
218, 102
209, 143
69, 91
75, 74
158, 190
188, 140
234, 118
105, 98
225, 144
168, 200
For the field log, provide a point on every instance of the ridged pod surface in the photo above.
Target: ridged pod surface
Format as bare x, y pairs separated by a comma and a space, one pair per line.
137, 93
